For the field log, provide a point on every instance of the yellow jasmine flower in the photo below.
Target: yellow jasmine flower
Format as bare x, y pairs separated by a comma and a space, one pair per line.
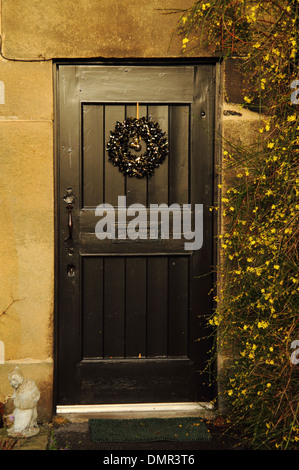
262, 324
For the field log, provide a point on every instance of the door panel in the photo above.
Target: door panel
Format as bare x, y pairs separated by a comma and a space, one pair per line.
130, 312
136, 322
102, 182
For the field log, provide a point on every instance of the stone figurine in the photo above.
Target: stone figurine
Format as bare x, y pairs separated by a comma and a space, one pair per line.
25, 396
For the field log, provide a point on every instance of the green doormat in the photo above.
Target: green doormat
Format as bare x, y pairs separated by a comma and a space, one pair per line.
148, 430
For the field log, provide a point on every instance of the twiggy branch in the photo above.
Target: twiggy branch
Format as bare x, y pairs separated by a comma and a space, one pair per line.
4, 312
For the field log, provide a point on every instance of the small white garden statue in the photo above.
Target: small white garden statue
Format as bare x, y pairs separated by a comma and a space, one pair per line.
25, 396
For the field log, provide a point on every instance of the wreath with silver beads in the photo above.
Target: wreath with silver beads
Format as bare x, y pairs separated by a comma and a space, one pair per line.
125, 147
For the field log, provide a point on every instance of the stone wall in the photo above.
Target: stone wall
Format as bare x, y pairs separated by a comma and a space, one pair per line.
90, 28
239, 127
26, 229
33, 34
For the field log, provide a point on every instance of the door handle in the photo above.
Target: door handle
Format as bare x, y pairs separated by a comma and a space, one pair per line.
70, 199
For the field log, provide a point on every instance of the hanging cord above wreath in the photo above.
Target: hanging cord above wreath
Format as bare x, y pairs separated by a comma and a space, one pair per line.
125, 146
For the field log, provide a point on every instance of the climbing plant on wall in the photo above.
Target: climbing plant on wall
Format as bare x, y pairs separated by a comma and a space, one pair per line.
258, 313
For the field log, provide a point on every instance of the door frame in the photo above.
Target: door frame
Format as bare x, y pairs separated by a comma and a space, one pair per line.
217, 161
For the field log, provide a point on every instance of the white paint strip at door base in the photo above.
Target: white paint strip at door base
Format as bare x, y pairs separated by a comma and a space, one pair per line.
138, 407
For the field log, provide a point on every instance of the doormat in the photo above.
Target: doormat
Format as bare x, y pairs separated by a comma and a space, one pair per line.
148, 430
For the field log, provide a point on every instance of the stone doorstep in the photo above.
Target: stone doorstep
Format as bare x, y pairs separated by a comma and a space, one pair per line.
79, 422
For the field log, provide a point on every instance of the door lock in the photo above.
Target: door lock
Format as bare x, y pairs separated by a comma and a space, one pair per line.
71, 270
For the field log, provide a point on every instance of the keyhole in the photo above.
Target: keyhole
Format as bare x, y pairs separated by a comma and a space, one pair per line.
71, 270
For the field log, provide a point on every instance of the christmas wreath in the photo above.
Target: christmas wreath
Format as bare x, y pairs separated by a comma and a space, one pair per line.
126, 144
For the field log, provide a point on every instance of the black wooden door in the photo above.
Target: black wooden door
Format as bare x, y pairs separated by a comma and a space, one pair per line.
130, 312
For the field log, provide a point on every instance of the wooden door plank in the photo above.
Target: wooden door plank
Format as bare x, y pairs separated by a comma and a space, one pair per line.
136, 189
93, 155
158, 182
202, 190
93, 315
157, 307
68, 320
178, 306
136, 83
114, 179
179, 116
136, 381
114, 306
135, 307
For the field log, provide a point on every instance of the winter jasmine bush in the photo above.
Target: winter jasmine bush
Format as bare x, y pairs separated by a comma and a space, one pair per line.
257, 310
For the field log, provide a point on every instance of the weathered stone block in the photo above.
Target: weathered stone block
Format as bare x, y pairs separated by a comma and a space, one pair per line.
27, 235
241, 132
234, 81
28, 90
106, 28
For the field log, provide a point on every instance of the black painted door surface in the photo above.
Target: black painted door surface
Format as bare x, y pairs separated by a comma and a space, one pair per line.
130, 312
